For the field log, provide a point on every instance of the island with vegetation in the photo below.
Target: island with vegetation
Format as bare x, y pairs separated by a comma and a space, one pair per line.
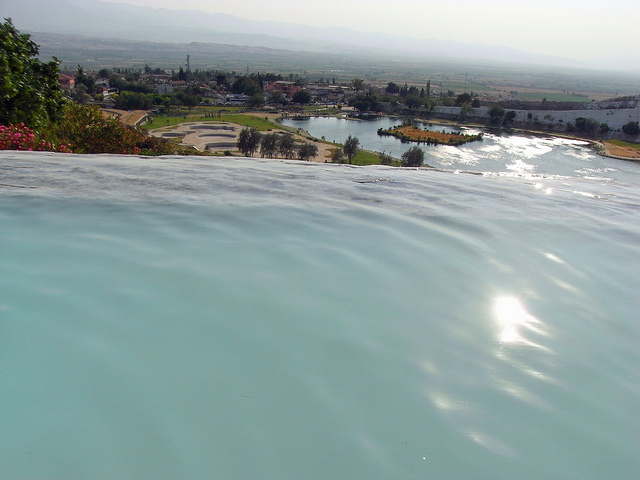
411, 133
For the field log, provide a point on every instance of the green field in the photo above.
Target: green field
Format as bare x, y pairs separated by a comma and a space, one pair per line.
261, 123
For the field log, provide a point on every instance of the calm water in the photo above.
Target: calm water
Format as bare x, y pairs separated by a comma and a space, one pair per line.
198, 318
497, 153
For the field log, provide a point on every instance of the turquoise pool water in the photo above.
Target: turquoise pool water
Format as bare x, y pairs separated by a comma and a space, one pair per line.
195, 318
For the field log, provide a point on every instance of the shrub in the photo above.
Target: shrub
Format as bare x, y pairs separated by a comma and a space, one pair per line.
21, 137
414, 157
88, 130
631, 128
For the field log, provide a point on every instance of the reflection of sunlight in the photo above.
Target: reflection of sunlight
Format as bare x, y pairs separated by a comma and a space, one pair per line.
490, 443
554, 258
540, 186
520, 167
444, 403
512, 319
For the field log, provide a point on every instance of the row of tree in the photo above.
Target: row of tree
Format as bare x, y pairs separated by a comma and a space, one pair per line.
273, 144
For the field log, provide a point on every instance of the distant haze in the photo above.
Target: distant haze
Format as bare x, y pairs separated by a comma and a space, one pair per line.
581, 30
555, 33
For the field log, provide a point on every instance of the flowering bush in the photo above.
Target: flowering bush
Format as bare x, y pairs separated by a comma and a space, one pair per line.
86, 129
21, 137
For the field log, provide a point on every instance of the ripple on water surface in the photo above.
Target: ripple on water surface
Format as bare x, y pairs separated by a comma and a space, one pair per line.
429, 335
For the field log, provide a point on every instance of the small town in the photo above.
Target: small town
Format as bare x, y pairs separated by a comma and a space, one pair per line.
138, 97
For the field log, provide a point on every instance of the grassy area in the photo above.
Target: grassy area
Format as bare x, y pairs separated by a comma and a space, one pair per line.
261, 123
551, 97
622, 143
365, 157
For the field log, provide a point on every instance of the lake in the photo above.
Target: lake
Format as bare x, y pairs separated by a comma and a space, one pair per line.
498, 152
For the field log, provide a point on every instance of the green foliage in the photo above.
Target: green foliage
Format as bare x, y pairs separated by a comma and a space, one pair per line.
337, 156
133, 101
351, 146
287, 145
392, 88
256, 100
29, 89
414, 157
87, 130
269, 145
357, 84
510, 116
412, 101
587, 126
462, 99
365, 103
302, 97
496, 114
631, 128
277, 97
385, 158
87, 80
249, 141
247, 85
307, 151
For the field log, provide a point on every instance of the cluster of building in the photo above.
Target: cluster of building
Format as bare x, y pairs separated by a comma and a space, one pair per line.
212, 94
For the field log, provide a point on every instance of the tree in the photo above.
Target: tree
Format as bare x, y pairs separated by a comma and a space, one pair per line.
256, 100
351, 147
462, 99
249, 141
392, 88
631, 128
412, 101
29, 89
385, 158
510, 116
277, 97
587, 126
190, 101
86, 80
302, 97
307, 151
133, 101
496, 114
269, 145
338, 155
414, 157
247, 85
286, 145
357, 84
364, 103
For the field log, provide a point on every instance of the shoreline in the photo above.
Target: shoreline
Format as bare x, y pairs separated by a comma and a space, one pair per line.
193, 139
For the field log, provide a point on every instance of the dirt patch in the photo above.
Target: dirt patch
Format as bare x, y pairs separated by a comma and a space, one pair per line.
200, 137
612, 150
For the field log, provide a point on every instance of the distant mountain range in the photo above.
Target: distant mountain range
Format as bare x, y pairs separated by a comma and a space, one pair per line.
103, 19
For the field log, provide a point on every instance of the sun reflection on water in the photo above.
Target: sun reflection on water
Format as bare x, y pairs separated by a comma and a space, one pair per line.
513, 321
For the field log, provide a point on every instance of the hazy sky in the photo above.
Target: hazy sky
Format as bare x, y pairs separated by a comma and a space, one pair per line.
568, 28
